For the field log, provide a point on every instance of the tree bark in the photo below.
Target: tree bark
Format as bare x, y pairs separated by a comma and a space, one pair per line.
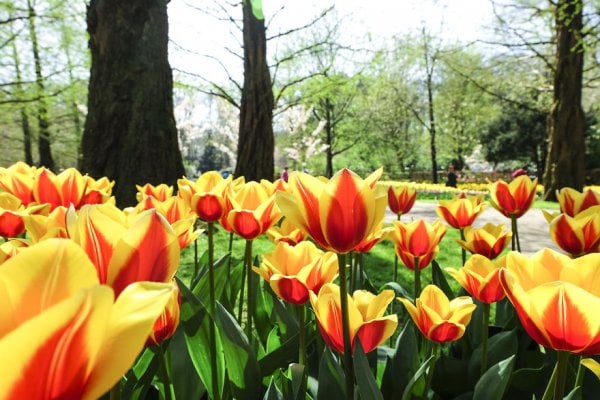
565, 164
256, 144
44, 148
130, 134
329, 138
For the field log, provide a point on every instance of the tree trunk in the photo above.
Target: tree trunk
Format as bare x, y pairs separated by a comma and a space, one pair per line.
26, 128
256, 144
565, 164
329, 138
130, 134
44, 149
432, 131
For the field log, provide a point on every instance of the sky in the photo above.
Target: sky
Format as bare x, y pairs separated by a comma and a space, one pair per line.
197, 39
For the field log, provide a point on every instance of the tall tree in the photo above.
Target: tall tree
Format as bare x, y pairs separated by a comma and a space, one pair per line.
44, 148
565, 164
256, 144
130, 133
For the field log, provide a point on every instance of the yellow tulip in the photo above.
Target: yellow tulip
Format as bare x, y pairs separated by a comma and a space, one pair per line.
460, 212
439, 319
417, 240
480, 278
572, 202
338, 213
577, 235
515, 198
556, 298
206, 196
365, 311
62, 335
488, 241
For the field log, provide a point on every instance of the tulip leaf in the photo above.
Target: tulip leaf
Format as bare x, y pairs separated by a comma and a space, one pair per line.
398, 289
402, 364
500, 346
202, 288
139, 378
186, 381
415, 378
280, 356
494, 381
439, 279
297, 372
331, 378
575, 394
242, 367
367, 386
195, 323
450, 376
262, 310
273, 393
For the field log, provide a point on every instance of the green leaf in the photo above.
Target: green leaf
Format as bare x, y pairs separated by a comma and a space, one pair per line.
413, 381
400, 291
202, 289
281, 356
575, 394
273, 393
257, 9
242, 367
450, 377
439, 279
297, 372
402, 365
331, 378
183, 373
367, 386
500, 346
139, 378
493, 383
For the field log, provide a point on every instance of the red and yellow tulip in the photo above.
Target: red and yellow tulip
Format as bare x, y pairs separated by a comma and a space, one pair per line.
53, 225
62, 335
168, 321
294, 271
439, 319
160, 192
401, 199
206, 196
417, 242
488, 241
370, 241
12, 212
577, 235
515, 198
480, 278
11, 248
18, 180
286, 232
556, 298
338, 214
126, 249
365, 310
460, 212
572, 202
252, 209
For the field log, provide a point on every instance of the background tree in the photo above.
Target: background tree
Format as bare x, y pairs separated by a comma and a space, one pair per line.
256, 145
130, 133
565, 165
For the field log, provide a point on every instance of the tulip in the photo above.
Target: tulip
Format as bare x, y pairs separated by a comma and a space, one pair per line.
367, 322
460, 213
142, 248
488, 241
253, 210
417, 243
439, 319
160, 192
166, 324
11, 248
572, 202
479, 277
62, 335
206, 196
53, 225
401, 199
97, 191
286, 232
513, 200
12, 212
294, 271
556, 298
18, 180
577, 235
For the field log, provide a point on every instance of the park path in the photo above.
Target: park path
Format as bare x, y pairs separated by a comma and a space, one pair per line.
534, 233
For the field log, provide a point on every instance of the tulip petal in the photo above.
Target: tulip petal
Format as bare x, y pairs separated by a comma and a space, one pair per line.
374, 332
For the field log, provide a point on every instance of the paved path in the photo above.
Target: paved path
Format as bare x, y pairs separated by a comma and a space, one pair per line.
534, 233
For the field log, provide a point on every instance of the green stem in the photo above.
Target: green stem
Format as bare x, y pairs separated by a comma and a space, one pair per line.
395, 274
301, 315
348, 367
360, 269
556, 386
435, 353
242, 288
417, 272
229, 251
580, 373
516, 245
164, 373
115, 392
484, 338
194, 277
351, 274
464, 252
250, 308
213, 312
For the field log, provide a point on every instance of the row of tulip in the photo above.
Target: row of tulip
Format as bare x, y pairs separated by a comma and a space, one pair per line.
54, 223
